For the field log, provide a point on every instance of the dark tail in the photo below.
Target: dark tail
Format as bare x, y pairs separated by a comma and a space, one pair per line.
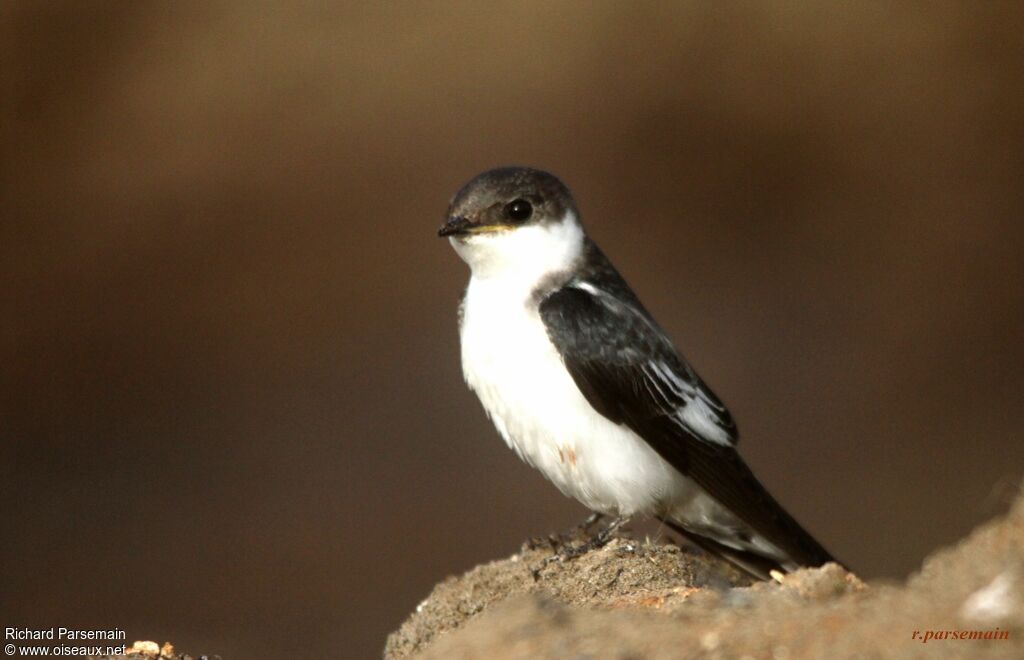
752, 563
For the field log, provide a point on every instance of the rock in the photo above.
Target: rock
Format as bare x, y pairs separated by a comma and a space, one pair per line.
623, 574
648, 600
145, 650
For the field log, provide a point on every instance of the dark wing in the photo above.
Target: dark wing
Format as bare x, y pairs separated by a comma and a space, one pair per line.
629, 372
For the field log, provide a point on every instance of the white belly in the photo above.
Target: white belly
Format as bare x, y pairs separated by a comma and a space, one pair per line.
508, 360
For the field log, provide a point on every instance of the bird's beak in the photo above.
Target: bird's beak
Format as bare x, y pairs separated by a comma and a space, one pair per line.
456, 225
463, 226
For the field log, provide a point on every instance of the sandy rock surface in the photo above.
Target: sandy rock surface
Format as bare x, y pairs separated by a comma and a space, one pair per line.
146, 650
640, 599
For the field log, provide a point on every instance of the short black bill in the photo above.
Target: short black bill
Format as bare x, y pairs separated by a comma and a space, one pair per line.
455, 226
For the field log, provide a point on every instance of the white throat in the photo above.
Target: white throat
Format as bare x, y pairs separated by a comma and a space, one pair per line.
523, 256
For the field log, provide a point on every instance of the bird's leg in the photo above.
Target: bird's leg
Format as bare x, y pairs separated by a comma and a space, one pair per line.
599, 540
589, 522
555, 540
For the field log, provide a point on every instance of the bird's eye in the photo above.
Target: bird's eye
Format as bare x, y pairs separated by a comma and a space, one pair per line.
519, 210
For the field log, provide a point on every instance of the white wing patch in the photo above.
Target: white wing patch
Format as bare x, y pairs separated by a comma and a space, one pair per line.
698, 416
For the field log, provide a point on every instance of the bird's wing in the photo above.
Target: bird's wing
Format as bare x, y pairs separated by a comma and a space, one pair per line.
628, 370
626, 366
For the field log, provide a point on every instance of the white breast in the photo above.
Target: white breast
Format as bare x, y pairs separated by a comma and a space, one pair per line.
509, 361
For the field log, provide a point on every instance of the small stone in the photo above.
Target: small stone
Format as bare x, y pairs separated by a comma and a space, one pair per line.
144, 648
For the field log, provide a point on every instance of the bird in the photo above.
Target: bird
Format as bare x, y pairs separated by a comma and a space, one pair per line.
584, 385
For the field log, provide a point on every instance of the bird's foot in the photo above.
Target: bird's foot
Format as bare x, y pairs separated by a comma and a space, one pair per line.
555, 541
596, 541
566, 552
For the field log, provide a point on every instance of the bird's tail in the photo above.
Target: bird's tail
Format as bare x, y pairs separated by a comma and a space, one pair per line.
756, 564
749, 562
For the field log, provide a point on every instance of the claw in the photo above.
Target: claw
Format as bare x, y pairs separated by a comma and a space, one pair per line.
599, 540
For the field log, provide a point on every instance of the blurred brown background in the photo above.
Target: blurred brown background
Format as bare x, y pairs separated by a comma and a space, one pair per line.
231, 409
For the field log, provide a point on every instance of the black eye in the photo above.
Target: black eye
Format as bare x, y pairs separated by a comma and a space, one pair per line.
519, 210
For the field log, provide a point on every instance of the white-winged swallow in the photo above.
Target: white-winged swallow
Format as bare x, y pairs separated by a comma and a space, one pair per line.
583, 384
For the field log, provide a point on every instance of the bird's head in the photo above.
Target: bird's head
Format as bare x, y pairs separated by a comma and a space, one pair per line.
514, 219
